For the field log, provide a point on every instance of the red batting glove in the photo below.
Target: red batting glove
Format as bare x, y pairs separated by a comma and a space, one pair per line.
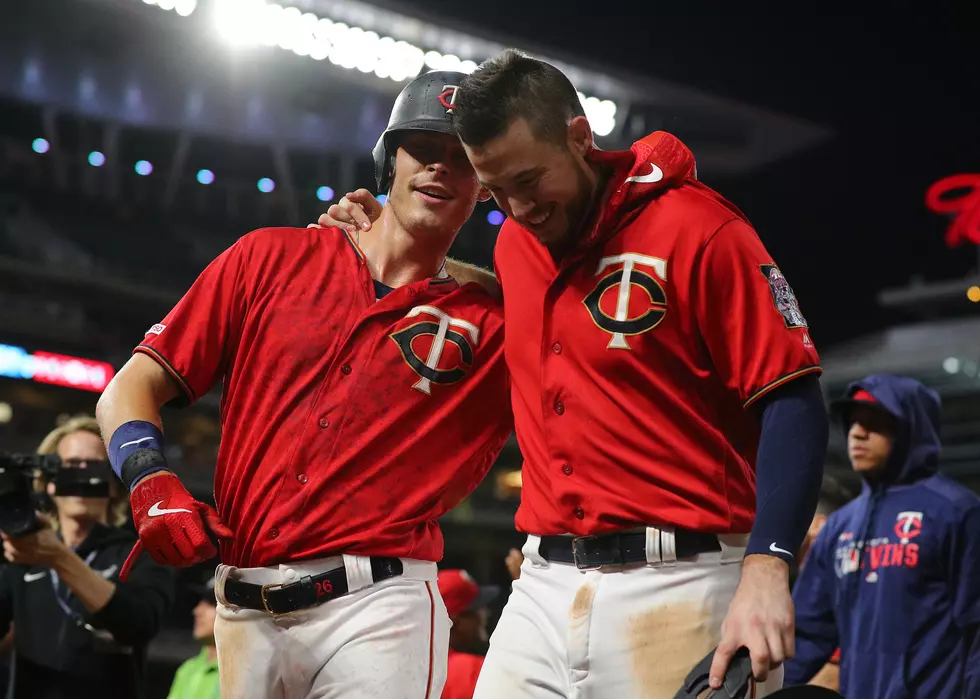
174, 528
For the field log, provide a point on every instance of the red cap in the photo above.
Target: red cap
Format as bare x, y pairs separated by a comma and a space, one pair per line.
864, 396
461, 593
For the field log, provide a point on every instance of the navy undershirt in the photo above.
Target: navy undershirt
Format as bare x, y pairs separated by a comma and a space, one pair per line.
381, 290
789, 466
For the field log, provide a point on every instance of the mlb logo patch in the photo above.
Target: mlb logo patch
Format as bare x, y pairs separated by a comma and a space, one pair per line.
783, 297
156, 329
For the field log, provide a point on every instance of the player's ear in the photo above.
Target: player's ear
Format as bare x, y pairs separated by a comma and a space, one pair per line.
580, 135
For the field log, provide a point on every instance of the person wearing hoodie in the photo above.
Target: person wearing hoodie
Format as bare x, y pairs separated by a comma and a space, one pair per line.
666, 399
80, 633
892, 579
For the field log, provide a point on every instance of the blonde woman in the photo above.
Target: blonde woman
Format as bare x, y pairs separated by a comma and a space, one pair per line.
79, 631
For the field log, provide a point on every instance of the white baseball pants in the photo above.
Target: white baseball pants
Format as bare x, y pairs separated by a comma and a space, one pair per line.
612, 633
388, 640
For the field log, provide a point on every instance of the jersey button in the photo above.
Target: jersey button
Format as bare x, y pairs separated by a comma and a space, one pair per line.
559, 407
273, 533
346, 369
302, 478
324, 422
566, 469
580, 513
556, 348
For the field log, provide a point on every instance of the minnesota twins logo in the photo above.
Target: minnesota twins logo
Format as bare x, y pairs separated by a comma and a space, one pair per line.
908, 525
621, 324
448, 97
459, 332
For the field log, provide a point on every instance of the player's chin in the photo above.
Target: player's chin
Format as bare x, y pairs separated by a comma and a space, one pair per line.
438, 223
555, 234
863, 465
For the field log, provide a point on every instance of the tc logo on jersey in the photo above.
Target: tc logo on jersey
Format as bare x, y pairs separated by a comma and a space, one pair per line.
783, 297
908, 525
463, 334
632, 314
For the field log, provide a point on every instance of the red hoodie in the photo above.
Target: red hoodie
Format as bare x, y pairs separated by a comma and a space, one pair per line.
634, 357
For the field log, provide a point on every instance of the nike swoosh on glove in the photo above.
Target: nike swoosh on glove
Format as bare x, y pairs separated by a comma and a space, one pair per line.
174, 528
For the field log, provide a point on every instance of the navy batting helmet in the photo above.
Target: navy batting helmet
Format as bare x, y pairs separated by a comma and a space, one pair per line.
426, 104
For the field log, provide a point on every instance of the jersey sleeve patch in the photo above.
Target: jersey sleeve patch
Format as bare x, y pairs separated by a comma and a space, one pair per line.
783, 297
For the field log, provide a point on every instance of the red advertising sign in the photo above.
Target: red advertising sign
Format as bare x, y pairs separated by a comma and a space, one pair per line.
57, 369
958, 196
73, 372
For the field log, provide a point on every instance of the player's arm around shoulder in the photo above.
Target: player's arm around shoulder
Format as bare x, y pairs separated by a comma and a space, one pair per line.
465, 273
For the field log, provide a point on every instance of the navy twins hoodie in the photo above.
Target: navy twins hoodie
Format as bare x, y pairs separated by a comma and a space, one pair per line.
893, 579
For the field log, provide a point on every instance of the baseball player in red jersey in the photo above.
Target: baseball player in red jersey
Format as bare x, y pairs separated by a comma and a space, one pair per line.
666, 400
364, 395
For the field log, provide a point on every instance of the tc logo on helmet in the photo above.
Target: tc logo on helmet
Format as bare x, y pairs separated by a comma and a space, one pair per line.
447, 98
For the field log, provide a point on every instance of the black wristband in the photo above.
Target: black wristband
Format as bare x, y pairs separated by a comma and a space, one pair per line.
142, 463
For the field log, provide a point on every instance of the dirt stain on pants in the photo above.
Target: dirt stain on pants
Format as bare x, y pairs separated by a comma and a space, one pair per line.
665, 643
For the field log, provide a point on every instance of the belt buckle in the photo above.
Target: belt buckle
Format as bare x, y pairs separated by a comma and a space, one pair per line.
581, 564
265, 601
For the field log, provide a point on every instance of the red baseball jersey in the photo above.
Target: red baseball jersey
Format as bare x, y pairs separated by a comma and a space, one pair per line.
633, 361
348, 424
462, 672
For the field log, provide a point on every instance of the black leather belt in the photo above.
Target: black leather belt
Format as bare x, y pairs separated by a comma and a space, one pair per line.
308, 591
619, 549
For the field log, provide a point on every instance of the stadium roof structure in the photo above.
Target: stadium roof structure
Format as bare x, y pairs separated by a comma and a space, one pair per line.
320, 75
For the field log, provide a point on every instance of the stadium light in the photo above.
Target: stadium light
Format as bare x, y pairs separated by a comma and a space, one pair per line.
266, 185
973, 293
324, 193
184, 8
495, 218
600, 113
205, 176
40, 145
143, 167
96, 159
258, 23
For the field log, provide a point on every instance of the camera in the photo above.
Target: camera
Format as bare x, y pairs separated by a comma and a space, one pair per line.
19, 500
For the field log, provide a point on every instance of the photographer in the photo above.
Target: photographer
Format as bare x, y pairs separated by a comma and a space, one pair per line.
78, 632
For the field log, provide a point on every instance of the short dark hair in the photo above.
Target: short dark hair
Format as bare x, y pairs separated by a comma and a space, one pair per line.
509, 86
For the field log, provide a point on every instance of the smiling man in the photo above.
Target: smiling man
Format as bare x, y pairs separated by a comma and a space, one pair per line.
666, 401
364, 395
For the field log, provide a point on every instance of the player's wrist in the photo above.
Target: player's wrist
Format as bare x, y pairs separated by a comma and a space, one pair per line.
766, 545
136, 451
759, 565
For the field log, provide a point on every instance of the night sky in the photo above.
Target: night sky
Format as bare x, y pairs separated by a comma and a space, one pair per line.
843, 219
